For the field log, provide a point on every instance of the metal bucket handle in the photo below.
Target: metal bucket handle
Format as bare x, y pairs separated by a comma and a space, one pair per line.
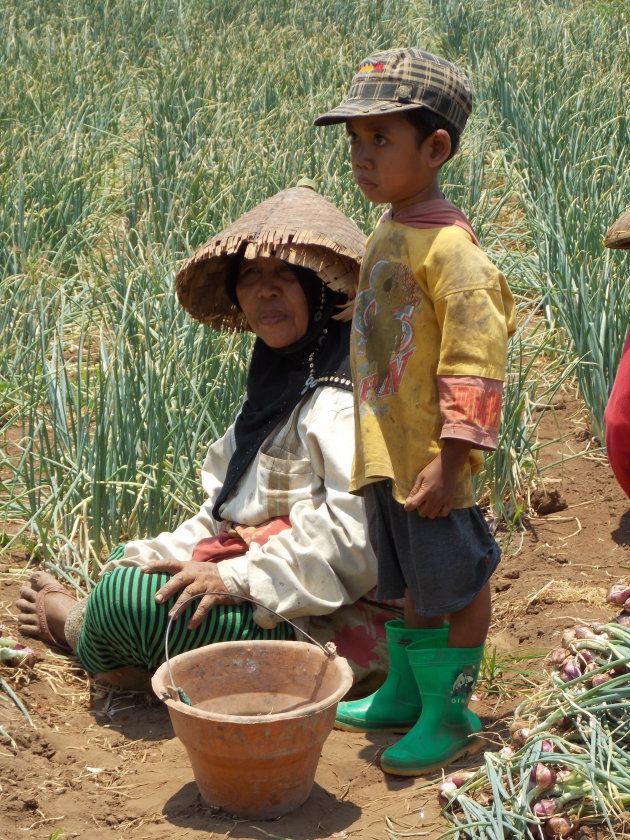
329, 648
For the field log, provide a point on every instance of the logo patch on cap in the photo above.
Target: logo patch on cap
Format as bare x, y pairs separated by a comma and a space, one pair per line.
369, 67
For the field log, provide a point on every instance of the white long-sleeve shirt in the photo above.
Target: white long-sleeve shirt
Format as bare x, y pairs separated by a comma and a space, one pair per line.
324, 560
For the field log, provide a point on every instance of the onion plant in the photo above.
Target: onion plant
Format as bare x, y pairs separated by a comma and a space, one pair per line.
132, 132
569, 765
117, 408
567, 146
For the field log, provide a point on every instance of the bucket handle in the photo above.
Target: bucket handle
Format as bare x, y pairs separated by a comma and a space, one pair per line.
329, 648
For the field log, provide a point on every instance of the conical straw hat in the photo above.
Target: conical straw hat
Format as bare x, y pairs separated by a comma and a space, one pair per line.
296, 225
618, 234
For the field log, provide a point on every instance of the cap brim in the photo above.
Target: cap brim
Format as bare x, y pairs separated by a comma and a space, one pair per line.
363, 108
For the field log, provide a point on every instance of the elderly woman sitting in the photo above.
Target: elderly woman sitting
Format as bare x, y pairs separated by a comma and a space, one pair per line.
278, 524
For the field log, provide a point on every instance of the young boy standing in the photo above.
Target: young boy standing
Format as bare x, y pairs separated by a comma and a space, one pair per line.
428, 349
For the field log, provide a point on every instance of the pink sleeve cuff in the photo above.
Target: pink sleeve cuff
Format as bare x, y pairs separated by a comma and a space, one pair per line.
471, 409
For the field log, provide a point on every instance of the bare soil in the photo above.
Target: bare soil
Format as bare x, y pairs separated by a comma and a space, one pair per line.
97, 764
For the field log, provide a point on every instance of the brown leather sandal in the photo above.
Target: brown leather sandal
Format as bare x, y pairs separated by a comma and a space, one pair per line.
44, 630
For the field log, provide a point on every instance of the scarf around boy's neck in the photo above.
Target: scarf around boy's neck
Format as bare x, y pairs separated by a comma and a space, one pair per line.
437, 212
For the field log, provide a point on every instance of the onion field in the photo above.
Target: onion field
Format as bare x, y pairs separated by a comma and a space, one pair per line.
131, 131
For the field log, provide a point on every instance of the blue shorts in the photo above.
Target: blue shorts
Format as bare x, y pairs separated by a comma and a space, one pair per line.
443, 562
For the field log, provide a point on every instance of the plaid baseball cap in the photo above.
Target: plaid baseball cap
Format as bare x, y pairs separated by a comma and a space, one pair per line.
402, 79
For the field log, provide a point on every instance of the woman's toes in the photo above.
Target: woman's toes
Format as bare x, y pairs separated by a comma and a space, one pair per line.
26, 604
41, 579
29, 626
42, 611
27, 594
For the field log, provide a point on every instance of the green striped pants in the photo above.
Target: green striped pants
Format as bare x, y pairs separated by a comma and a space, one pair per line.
123, 625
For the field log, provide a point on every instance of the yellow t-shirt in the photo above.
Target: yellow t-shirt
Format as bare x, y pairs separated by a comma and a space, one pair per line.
429, 303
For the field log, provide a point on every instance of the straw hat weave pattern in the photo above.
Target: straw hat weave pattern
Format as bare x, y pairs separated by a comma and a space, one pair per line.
296, 225
618, 234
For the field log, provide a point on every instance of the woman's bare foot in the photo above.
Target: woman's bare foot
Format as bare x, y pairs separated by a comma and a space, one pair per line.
43, 607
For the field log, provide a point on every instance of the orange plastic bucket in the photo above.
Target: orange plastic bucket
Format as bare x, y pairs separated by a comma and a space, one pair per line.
260, 714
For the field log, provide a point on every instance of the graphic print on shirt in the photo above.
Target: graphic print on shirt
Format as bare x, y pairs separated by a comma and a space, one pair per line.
384, 329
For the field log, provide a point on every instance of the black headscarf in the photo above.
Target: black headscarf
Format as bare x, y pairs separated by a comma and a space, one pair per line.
278, 378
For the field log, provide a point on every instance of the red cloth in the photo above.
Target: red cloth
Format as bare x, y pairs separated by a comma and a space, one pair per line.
617, 421
439, 212
234, 539
471, 409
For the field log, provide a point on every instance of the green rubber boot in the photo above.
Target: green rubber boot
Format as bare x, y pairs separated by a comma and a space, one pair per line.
446, 729
396, 705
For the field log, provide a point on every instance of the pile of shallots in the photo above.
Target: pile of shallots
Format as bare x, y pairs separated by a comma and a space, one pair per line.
13, 653
619, 596
569, 761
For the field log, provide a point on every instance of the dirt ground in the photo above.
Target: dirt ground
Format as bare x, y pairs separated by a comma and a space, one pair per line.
97, 764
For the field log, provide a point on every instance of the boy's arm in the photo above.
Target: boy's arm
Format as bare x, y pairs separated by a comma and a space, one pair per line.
471, 411
434, 489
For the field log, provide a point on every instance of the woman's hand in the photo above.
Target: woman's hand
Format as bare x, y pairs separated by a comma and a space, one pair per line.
191, 579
